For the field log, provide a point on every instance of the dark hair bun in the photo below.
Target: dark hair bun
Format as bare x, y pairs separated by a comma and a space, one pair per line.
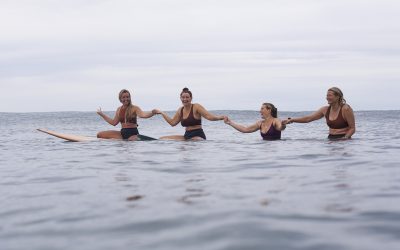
185, 89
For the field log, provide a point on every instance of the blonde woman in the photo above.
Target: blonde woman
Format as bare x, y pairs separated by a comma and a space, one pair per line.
126, 115
339, 116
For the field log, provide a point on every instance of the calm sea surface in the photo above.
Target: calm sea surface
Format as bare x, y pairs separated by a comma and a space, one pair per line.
233, 191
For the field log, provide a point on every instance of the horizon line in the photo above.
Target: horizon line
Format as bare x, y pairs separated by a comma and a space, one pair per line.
211, 110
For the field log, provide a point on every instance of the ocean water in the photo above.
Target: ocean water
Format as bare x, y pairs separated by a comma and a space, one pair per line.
233, 191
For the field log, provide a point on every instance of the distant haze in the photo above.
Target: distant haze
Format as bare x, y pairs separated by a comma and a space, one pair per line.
77, 55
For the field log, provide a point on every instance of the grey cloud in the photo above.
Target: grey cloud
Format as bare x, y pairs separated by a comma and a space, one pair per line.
250, 51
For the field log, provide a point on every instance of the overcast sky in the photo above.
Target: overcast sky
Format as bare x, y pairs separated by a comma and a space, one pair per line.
76, 55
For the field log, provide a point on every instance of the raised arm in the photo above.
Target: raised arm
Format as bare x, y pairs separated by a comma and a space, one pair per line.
308, 118
204, 113
172, 121
114, 121
241, 128
143, 114
349, 117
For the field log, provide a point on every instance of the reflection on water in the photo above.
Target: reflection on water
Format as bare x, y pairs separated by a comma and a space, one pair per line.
233, 191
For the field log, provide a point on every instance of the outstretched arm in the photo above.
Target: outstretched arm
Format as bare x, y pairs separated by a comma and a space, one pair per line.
172, 121
306, 119
143, 114
241, 128
114, 121
204, 113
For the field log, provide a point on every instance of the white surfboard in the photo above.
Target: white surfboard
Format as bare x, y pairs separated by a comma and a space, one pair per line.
68, 137
80, 138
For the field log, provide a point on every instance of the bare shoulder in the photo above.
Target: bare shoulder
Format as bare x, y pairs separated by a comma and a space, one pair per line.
197, 106
135, 108
324, 109
179, 111
276, 122
347, 107
257, 124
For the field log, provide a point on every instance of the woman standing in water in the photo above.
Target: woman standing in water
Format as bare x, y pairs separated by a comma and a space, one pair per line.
270, 127
190, 117
126, 115
339, 116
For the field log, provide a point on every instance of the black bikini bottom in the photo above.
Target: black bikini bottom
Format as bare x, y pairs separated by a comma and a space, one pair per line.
128, 132
195, 133
335, 137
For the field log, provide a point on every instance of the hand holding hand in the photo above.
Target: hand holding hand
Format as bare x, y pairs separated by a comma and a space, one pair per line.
156, 111
287, 121
227, 120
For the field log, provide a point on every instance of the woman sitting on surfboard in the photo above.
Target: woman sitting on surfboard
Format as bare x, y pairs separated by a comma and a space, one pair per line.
190, 117
339, 116
126, 115
270, 126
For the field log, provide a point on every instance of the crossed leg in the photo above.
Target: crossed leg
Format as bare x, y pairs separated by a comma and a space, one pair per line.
109, 134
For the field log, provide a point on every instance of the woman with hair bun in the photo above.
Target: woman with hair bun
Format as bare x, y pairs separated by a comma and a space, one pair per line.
339, 116
126, 115
189, 115
270, 127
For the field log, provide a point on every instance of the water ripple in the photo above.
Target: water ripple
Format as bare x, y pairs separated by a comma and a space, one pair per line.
233, 191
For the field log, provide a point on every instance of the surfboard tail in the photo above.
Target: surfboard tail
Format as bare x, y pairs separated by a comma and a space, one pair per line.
67, 137
146, 138
79, 138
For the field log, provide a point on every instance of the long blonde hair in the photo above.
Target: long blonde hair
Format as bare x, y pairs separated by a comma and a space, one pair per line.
129, 113
338, 93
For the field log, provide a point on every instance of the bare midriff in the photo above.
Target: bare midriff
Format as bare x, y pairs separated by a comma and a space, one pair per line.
190, 128
128, 125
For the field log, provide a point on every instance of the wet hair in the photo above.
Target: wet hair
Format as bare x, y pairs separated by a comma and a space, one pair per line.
274, 110
186, 90
338, 93
129, 110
